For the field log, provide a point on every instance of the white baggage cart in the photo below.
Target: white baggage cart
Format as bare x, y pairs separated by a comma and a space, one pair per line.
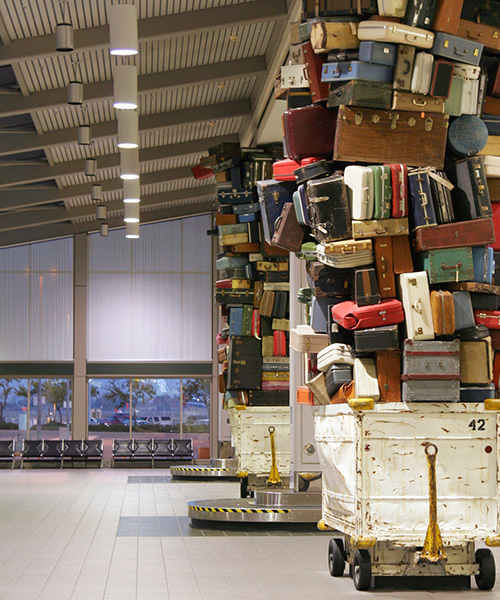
381, 467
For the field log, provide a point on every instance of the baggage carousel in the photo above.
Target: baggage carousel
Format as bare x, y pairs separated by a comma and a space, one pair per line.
267, 507
219, 468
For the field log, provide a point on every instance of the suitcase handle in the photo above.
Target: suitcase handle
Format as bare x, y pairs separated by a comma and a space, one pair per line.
419, 102
451, 267
407, 64
471, 36
460, 53
411, 38
417, 306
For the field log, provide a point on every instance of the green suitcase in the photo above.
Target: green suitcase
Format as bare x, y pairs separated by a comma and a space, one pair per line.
382, 192
361, 93
448, 264
246, 327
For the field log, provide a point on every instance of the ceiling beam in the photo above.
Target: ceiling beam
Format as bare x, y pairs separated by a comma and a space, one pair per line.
162, 27
13, 142
47, 216
17, 104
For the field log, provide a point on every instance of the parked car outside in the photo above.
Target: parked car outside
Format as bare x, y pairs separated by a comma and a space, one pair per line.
164, 421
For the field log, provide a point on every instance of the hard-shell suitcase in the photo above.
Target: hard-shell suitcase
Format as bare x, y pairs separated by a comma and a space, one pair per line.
477, 394
338, 354
319, 312
416, 301
345, 254
338, 334
395, 33
490, 318
442, 73
280, 305
476, 362
399, 184
374, 136
384, 265
491, 166
441, 195
329, 209
457, 48
342, 55
420, 13
388, 364
335, 377
431, 371
416, 102
378, 53
376, 338
317, 386
234, 297
313, 68
403, 71
401, 252
464, 315
380, 227
356, 92
473, 334
454, 105
366, 287
422, 205
422, 73
351, 316
467, 71
448, 264
280, 346
471, 198
392, 8
328, 8
266, 303
359, 182
477, 232
244, 360
304, 339
273, 195
326, 36
485, 301
354, 69
301, 127
300, 204
382, 191
288, 233
484, 264
325, 281
492, 123
294, 76
443, 312
284, 170
365, 378
318, 168
230, 262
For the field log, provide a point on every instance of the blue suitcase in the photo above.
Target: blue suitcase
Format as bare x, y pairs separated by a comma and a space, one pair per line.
248, 217
300, 205
354, 69
227, 195
477, 394
492, 123
378, 53
273, 195
424, 214
457, 48
236, 320
484, 264
253, 207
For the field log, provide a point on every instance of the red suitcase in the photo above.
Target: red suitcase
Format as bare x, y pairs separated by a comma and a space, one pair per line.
495, 207
351, 316
226, 284
399, 181
279, 343
283, 169
314, 67
200, 172
309, 130
490, 318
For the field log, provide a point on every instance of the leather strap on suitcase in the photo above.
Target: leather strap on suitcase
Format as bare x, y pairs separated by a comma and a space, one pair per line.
384, 266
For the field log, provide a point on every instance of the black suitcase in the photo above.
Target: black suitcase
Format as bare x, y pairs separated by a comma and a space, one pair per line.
244, 361
366, 287
471, 198
335, 378
473, 334
419, 13
376, 338
485, 301
326, 281
329, 210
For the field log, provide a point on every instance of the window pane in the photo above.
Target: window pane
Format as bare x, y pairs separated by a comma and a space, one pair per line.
49, 408
13, 409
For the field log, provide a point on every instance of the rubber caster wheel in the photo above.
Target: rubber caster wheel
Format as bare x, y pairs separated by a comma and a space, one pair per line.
336, 557
362, 570
485, 579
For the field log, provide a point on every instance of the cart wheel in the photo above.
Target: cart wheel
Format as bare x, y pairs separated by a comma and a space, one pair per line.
362, 570
485, 580
336, 557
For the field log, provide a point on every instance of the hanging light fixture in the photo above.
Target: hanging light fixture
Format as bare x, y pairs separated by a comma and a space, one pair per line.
131, 191
64, 34
131, 213
100, 212
84, 135
129, 163
123, 37
75, 87
104, 229
125, 87
132, 231
128, 129
90, 168
96, 192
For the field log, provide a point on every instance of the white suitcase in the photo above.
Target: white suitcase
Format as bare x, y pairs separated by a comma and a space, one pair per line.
392, 8
365, 378
416, 300
466, 71
469, 96
395, 33
492, 166
294, 76
359, 182
317, 385
304, 339
422, 73
344, 261
334, 354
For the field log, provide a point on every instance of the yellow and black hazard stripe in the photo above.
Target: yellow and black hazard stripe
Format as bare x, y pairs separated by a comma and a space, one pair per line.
198, 470
258, 511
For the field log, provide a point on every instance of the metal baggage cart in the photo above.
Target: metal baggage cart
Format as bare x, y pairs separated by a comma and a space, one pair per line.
412, 486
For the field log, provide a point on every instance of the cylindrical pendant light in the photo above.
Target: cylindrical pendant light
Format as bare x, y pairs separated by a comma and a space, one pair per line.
104, 229
123, 38
75, 92
100, 212
128, 129
84, 135
132, 231
125, 87
129, 163
131, 191
96, 192
131, 212
90, 168
64, 37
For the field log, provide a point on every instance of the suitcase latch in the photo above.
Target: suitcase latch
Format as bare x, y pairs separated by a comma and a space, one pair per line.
428, 124
412, 281
419, 331
394, 119
276, 197
358, 118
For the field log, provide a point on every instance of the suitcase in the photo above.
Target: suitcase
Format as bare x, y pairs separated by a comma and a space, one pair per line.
382, 191
294, 76
376, 338
431, 371
416, 301
442, 73
317, 386
467, 135
329, 212
420, 13
455, 103
395, 33
334, 354
384, 265
255, 327
335, 378
484, 264
233, 238
448, 264
266, 304
253, 207
378, 53
485, 301
491, 166
273, 195
280, 346
473, 334
326, 36
226, 219
392, 8
313, 68
401, 253
392, 137
399, 184
327, 8
490, 318
452, 235
457, 48
345, 254
230, 262
366, 287
419, 182
491, 148
268, 398
354, 69
403, 71
338, 334
443, 312
467, 71
232, 297
342, 55
288, 233
280, 305
492, 123
471, 198
416, 102
359, 182
383, 227
475, 31
477, 394
241, 284
327, 282
244, 360
319, 313
476, 362
464, 314
388, 364
472, 286
370, 94
365, 378
422, 73
283, 170
304, 339
300, 204
351, 316
267, 345
441, 196
301, 127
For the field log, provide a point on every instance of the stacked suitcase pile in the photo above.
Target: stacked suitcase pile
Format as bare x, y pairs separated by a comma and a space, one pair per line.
404, 264
253, 285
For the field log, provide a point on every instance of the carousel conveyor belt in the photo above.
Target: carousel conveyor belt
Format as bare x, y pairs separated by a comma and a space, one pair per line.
219, 468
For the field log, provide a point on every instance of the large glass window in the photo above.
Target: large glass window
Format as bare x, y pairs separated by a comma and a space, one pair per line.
151, 299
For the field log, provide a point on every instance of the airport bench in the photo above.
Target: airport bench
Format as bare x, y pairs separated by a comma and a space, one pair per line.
151, 450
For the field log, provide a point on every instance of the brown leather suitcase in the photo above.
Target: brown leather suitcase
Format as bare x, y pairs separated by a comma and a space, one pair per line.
384, 265
494, 188
266, 304
388, 364
491, 106
401, 252
478, 232
443, 312
447, 16
381, 136
226, 219
288, 233
365, 287
314, 66
309, 131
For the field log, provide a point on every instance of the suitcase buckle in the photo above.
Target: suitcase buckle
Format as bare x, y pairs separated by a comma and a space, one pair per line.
358, 118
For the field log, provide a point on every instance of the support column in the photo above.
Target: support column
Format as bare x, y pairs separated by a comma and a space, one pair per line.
80, 415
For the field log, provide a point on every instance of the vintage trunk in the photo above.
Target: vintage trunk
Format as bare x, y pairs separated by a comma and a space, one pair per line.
388, 364
476, 362
244, 360
443, 312
360, 93
448, 264
273, 195
416, 301
452, 235
329, 209
232, 297
326, 36
376, 338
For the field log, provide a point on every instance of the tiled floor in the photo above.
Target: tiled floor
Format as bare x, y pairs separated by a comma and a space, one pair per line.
124, 535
